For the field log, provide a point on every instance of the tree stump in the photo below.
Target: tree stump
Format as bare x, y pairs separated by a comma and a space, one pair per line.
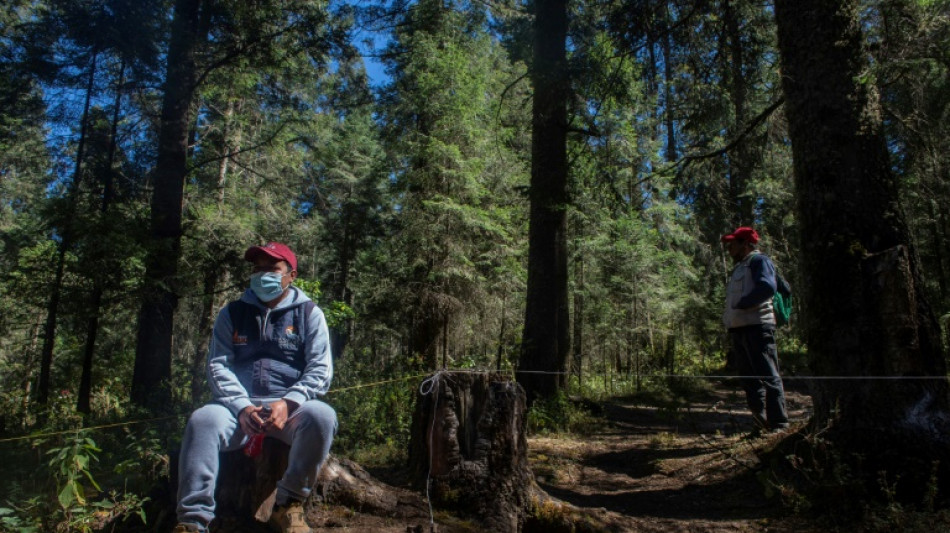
247, 487
468, 446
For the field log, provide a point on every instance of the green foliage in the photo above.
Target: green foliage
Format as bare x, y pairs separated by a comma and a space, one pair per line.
145, 456
21, 519
337, 313
377, 420
71, 466
310, 287
454, 257
917, 86
559, 414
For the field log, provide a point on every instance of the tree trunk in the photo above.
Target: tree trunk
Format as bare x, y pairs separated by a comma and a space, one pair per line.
247, 487
84, 395
740, 159
670, 153
205, 329
153, 351
937, 249
476, 425
468, 448
339, 335
83, 399
424, 334
499, 356
577, 355
214, 276
546, 340
343, 482
867, 316
52, 307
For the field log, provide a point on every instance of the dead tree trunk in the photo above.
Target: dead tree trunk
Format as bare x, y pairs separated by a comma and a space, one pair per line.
247, 487
468, 447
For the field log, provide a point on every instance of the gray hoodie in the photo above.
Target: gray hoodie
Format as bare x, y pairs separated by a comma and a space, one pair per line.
231, 392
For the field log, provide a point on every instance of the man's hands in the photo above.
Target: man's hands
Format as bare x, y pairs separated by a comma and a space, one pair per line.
280, 412
254, 420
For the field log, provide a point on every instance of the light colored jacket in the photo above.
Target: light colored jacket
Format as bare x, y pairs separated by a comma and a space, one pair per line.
749, 293
228, 390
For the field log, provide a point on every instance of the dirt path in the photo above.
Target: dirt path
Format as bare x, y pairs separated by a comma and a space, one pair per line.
688, 468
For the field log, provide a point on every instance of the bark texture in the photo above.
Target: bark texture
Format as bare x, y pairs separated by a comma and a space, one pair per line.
468, 445
741, 159
247, 487
867, 314
343, 482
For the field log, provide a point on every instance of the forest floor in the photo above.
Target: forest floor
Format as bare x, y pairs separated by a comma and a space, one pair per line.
681, 467
645, 464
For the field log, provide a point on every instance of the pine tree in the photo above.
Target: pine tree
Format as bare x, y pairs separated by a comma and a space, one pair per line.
546, 340
453, 180
868, 313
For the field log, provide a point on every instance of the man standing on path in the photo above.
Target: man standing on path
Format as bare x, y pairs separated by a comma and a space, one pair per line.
751, 323
268, 364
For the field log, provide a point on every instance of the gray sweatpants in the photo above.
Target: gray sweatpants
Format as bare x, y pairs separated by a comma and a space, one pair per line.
213, 429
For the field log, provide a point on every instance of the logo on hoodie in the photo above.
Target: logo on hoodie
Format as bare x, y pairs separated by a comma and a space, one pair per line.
238, 339
289, 340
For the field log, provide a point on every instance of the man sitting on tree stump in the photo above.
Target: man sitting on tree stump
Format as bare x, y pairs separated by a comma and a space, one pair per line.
270, 351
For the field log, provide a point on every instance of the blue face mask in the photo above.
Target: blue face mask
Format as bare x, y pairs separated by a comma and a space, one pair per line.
266, 285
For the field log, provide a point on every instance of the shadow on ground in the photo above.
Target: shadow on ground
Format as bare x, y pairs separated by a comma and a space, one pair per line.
732, 500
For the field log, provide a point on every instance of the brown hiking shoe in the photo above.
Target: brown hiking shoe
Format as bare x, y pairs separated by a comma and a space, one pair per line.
186, 528
290, 518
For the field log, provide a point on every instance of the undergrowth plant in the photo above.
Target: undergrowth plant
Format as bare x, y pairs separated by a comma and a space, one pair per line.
375, 420
73, 500
559, 414
813, 476
71, 468
22, 517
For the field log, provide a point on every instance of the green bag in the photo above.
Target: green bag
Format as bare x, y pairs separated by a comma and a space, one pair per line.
782, 301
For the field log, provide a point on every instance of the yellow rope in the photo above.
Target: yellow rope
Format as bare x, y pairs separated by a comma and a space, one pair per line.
375, 383
90, 428
157, 419
473, 371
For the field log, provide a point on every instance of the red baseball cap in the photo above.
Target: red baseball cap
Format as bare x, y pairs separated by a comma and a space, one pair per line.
743, 233
274, 250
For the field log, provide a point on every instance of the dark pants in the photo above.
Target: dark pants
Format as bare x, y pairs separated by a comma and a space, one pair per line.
757, 365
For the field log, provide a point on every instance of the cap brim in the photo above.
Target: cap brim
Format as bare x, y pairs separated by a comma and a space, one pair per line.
727, 238
254, 252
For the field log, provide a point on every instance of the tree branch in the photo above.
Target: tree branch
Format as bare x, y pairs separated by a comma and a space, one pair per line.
685, 161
